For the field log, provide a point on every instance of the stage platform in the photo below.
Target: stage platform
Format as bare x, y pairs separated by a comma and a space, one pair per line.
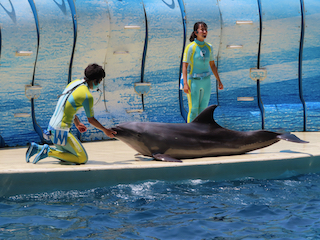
113, 162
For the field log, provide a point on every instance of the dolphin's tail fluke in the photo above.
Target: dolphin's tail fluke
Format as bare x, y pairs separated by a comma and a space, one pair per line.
291, 138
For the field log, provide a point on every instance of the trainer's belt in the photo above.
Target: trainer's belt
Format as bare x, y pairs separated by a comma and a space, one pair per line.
200, 75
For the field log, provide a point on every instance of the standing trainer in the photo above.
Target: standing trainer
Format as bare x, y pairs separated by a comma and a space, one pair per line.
199, 56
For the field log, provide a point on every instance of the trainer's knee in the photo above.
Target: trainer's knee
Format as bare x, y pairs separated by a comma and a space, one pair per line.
82, 159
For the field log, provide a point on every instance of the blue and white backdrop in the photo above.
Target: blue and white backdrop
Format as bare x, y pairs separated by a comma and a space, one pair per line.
267, 53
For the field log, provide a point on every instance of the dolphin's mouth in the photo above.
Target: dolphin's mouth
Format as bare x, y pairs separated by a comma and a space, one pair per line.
121, 132
116, 128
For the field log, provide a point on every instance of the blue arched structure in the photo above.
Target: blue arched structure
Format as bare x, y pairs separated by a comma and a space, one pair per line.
267, 53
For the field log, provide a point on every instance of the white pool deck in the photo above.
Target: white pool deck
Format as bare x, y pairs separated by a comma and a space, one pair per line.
113, 162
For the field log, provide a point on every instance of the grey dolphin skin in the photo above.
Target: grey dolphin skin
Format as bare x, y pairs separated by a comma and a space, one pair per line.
203, 137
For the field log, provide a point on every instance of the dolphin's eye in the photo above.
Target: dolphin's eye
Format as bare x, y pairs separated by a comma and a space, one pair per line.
139, 135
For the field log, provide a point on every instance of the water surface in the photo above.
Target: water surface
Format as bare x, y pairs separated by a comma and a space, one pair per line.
191, 209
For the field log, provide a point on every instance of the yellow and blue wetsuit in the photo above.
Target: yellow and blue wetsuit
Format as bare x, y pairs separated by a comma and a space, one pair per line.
198, 55
68, 147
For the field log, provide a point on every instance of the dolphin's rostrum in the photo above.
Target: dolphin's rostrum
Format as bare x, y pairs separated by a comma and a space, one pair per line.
203, 137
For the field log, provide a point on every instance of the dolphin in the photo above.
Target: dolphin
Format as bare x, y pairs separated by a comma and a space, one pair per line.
203, 137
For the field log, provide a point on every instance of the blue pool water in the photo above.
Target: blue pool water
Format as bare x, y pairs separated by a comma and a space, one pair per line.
191, 209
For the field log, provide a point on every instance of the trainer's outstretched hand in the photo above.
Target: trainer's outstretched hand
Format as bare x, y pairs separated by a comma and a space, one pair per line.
109, 132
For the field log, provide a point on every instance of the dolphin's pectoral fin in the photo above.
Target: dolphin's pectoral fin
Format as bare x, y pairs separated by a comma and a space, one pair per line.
291, 138
165, 158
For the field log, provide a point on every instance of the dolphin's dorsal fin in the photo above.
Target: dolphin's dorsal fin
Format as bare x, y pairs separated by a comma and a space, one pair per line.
206, 116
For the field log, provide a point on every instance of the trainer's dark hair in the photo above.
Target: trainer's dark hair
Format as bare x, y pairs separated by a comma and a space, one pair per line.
94, 71
193, 36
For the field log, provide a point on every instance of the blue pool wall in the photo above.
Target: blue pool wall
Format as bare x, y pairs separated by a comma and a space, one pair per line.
47, 43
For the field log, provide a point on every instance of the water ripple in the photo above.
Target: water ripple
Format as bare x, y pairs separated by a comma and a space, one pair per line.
192, 209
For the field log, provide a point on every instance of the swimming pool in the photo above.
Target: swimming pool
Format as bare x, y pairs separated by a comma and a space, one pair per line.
192, 209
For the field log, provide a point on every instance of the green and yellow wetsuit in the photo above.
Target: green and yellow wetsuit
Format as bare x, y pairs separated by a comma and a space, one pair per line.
198, 55
67, 147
